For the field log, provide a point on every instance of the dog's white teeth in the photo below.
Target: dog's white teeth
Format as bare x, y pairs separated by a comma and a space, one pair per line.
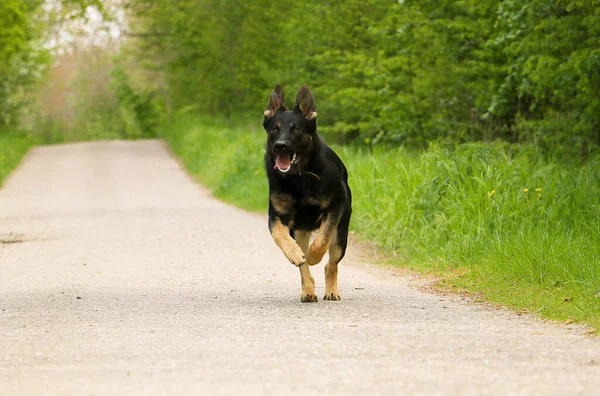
294, 157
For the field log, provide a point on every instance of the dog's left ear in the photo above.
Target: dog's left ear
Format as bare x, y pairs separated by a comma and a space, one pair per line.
305, 103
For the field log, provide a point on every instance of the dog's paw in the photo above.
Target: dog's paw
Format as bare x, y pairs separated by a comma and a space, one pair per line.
296, 256
332, 296
307, 297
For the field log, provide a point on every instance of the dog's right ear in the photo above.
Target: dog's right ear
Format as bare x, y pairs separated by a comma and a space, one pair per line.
275, 102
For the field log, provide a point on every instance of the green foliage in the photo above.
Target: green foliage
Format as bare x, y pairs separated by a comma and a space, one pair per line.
139, 111
228, 160
13, 146
389, 71
18, 66
89, 96
23, 59
551, 88
496, 218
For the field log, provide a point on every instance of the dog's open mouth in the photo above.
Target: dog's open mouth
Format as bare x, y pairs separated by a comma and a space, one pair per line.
283, 162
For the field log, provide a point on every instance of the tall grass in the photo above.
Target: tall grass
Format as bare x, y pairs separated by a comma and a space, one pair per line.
519, 228
13, 146
228, 160
492, 218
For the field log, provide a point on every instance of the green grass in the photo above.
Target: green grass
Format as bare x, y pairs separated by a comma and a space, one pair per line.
227, 160
13, 146
497, 220
472, 214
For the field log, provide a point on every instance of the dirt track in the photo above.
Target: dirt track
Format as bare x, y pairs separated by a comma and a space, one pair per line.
124, 277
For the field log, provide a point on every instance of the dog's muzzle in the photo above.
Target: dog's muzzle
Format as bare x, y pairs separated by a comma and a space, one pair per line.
284, 159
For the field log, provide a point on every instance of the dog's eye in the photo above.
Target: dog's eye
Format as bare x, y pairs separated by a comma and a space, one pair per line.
274, 130
295, 130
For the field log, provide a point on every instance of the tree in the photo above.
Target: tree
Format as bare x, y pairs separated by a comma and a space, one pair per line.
407, 72
23, 58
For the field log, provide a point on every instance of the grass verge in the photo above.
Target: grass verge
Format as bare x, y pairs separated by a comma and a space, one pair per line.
13, 146
496, 220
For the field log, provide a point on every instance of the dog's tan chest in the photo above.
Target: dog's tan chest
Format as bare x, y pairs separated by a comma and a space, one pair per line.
321, 203
286, 204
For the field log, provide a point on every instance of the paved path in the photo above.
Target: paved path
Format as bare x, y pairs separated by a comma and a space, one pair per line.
126, 278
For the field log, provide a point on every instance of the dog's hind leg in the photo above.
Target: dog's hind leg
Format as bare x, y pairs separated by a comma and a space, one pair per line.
324, 237
332, 292
337, 250
308, 283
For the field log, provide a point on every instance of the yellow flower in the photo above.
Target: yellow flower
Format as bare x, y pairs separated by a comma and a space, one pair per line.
539, 196
525, 190
491, 193
538, 190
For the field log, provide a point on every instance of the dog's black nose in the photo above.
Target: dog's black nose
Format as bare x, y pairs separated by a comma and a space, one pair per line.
280, 146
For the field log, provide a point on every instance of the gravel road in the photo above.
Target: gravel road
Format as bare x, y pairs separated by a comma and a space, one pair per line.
121, 276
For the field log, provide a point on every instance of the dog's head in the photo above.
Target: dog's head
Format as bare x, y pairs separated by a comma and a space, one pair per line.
290, 133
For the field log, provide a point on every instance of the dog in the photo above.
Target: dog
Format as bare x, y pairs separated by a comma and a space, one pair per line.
308, 191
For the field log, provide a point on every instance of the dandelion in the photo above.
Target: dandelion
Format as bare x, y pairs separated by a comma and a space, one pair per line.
525, 190
491, 193
539, 196
538, 190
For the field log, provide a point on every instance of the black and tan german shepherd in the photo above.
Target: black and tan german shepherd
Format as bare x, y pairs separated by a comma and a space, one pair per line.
308, 191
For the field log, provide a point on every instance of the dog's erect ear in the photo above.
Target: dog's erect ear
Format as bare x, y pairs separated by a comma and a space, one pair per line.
305, 103
275, 102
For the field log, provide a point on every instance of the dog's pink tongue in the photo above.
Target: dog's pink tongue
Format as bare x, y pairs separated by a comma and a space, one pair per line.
282, 161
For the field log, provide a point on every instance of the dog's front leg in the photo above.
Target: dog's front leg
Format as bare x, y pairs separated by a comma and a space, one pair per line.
289, 247
308, 282
323, 239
